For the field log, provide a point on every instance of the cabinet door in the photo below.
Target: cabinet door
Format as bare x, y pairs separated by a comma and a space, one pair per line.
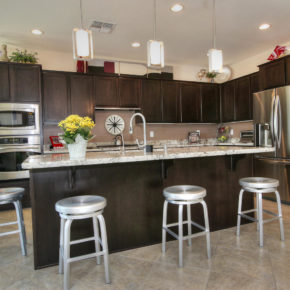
255, 87
242, 99
273, 74
210, 103
105, 91
151, 100
55, 97
287, 67
190, 103
4, 83
24, 82
170, 101
228, 101
129, 92
81, 95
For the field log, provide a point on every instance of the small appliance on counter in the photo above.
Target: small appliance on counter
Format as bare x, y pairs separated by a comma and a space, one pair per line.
194, 137
263, 137
247, 136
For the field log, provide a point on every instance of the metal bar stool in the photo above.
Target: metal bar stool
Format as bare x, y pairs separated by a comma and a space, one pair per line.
258, 186
76, 208
184, 195
14, 195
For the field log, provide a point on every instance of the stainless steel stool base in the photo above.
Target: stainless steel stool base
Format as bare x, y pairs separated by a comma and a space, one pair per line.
180, 237
65, 243
14, 195
265, 187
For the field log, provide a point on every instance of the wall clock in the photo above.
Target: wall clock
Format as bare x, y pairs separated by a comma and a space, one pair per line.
114, 124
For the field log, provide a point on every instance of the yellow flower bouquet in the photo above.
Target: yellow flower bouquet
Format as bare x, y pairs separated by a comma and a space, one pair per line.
75, 125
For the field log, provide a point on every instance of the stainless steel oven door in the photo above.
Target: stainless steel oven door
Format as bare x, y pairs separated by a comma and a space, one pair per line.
18, 119
11, 158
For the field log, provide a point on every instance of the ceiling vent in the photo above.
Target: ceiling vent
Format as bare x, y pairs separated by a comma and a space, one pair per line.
103, 27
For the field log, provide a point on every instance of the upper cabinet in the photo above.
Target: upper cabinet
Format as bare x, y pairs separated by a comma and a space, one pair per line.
228, 101
129, 92
243, 99
106, 91
20, 82
287, 69
151, 100
210, 103
170, 101
190, 94
81, 95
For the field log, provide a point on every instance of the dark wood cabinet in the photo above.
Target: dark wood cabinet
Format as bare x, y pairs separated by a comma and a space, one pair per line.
210, 103
287, 69
4, 83
151, 100
273, 74
190, 102
55, 97
255, 87
170, 101
243, 99
81, 95
25, 82
129, 92
228, 101
106, 91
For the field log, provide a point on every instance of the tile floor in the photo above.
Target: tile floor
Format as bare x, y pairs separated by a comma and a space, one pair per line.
237, 263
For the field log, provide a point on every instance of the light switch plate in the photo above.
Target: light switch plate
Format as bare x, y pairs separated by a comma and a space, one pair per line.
151, 134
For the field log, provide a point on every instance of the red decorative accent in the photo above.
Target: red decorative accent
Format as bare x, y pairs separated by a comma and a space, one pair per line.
55, 141
277, 52
109, 67
82, 66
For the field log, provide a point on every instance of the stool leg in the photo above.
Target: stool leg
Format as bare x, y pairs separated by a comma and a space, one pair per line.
260, 218
257, 207
205, 213
21, 228
96, 234
22, 221
280, 215
66, 254
189, 223
240, 211
61, 237
105, 247
180, 234
164, 225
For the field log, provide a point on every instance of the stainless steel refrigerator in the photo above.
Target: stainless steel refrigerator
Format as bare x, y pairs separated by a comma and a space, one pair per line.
273, 107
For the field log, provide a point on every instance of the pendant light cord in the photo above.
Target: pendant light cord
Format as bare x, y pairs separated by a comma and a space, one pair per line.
81, 10
154, 21
213, 26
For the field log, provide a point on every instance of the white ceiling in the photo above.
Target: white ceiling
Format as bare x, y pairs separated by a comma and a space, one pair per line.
187, 35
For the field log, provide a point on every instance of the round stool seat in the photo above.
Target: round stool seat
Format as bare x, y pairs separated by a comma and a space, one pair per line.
83, 204
184, 192
259, 182
11, 193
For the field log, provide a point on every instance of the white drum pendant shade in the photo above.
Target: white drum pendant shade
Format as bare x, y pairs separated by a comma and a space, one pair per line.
82, 44
215, 60
155, 54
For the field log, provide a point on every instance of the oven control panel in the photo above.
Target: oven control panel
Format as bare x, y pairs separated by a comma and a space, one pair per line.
14, 140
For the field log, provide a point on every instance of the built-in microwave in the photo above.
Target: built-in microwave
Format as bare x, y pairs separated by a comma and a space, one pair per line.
19, 119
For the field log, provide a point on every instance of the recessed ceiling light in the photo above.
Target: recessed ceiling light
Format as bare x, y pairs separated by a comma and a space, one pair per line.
264, 26
37, 31
135, 44
176, 7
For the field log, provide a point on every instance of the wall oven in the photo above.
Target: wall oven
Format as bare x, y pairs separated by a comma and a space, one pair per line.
19, 119
13, 151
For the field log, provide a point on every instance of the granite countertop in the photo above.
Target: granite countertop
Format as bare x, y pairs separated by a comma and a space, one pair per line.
108, 157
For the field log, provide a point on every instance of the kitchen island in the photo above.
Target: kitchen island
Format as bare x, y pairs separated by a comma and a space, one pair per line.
132, 183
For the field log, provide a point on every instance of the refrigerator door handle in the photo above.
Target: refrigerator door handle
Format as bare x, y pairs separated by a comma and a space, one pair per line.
279, 122
276, 119
272, 118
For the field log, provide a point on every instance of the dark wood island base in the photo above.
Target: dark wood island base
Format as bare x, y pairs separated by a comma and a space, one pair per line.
134, 195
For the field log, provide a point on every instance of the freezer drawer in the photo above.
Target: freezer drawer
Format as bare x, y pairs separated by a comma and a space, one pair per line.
275, 168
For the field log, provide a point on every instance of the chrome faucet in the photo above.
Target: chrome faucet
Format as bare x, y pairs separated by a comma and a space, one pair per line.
144, 130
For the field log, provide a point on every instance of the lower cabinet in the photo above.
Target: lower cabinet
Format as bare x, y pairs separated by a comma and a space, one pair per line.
24, 183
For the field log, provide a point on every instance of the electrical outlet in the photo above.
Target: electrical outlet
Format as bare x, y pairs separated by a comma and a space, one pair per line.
151, 134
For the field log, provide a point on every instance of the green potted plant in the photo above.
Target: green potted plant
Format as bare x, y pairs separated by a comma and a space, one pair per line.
211, 76
23, 56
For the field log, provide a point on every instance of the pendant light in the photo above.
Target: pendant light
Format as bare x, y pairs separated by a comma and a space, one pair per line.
215, 56
82, 41
155, 48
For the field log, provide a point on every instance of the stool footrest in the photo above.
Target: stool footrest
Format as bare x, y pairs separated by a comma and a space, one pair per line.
84, 240
184, 237
250, 210
185, 223
270, 220
88, 256
8, 224
264, 220
270, 212
247, 217
9, 233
